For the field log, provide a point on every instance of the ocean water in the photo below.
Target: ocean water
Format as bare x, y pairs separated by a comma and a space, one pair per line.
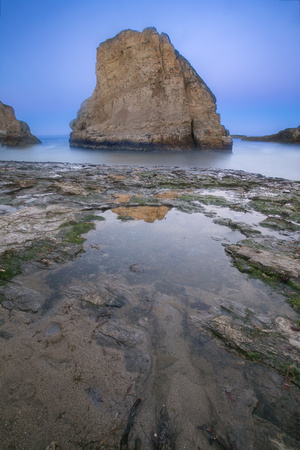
266, 158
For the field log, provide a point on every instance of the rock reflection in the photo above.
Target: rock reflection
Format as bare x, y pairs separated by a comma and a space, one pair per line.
147, 213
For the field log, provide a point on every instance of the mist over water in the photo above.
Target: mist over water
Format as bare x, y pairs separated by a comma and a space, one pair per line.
266, 158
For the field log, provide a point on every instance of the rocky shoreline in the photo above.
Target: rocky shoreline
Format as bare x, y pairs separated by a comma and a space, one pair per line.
96, 357
287, 136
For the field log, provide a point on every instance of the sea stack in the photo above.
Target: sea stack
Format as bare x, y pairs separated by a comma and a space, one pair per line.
147, 96
13, 132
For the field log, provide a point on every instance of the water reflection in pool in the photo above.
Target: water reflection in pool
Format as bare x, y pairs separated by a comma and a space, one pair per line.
130, 330
174, 251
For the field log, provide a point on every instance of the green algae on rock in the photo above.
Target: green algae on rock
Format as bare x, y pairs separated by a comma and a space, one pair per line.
153, 310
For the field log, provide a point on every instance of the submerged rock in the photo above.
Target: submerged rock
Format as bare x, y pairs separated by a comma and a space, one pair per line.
54, 333
13, 132
22, 298
147, 95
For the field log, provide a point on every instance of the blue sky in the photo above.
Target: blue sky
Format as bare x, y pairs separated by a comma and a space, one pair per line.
247, 52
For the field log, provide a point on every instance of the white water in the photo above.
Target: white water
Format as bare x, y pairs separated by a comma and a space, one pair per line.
267, 158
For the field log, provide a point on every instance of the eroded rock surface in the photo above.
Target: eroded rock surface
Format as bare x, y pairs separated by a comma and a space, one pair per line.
30, 224
13, 132
147, 95
285, 266
145, 335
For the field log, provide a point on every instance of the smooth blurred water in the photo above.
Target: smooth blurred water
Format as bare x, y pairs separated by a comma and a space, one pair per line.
267, 158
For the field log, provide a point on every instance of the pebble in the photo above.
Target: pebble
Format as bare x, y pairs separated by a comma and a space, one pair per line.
54, 333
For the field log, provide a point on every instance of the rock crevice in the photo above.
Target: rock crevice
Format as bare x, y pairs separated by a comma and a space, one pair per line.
147, 95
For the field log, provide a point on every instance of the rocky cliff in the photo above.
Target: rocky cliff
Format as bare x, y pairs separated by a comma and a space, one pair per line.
147, 95
14, 132
289, 135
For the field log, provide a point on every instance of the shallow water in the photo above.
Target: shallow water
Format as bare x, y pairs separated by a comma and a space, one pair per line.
267, 158
124, 321
153, 316
177, 251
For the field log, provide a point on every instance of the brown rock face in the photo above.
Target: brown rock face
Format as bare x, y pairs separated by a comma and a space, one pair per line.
147, 95
14, 132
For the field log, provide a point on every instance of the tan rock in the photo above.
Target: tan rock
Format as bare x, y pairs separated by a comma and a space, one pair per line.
70, 188
147, 95
14, 132
285, 327
167, 195
124, 198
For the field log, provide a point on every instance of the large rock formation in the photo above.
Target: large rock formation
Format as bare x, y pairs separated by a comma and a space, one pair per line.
147, 95
14, 132
289, 136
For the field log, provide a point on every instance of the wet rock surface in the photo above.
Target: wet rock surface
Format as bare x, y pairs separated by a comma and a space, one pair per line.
114, 335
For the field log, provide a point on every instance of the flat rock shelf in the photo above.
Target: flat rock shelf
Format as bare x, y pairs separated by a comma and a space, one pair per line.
148, 308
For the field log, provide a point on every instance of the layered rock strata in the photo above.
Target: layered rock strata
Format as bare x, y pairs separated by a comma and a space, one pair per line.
289, 135
13, 132
147, 95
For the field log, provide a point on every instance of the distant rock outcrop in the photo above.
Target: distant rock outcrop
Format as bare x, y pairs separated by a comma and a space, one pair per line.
289, 135
13, 132
147, 95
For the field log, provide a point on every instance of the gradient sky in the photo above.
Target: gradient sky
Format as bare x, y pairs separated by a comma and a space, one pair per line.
247, 52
